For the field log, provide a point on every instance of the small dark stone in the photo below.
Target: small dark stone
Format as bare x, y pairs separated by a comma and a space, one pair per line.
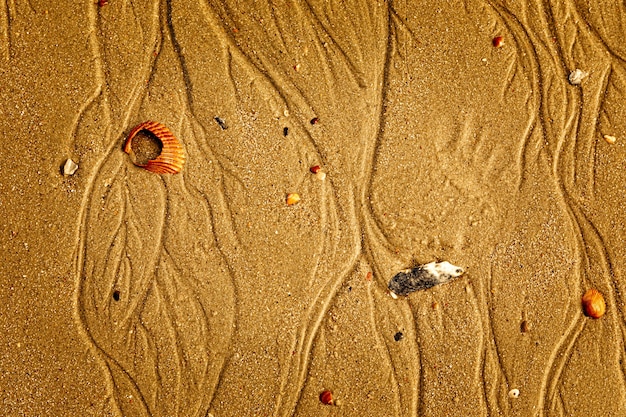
285, 131
398, 336
221, 122
116, 295
524, 327
315, 121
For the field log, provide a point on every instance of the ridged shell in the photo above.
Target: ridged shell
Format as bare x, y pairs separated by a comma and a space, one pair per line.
593, 304
326, 397
172, 156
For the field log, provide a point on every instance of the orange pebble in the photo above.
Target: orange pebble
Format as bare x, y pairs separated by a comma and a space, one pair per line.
593, 304
293, 198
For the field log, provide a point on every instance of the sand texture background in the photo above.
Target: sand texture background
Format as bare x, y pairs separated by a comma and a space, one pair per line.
436, 145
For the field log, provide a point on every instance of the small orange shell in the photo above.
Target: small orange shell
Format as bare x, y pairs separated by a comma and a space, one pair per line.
172, 156
593, 304
326, 397
293, 198
497, 42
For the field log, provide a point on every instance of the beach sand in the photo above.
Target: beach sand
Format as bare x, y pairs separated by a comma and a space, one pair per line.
130, 293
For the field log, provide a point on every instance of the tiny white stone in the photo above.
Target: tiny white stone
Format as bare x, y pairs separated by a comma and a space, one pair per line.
577, 76
514, 393
70, 167
321, 176
610, 139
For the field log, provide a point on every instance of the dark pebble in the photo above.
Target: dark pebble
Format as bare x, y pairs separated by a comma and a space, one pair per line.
221, 122
398, 336
116, 295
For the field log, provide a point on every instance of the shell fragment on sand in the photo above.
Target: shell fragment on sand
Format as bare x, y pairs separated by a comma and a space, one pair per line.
610, 139
70, 167
577, 76
423, 277
593, 303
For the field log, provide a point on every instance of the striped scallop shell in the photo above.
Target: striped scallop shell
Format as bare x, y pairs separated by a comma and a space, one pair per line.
172, 156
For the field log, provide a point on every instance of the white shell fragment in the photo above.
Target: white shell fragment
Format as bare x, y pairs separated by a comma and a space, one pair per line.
577, 76
610, 139
514, 393
423, 277
70, 167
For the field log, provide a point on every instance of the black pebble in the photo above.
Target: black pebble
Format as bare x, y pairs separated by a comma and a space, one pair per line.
285, 131
398, 336
221, 122
116, 295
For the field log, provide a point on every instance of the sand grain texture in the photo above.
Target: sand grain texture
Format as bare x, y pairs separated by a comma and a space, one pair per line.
125, 292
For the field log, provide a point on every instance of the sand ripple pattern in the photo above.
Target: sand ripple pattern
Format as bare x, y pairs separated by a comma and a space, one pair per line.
203, 293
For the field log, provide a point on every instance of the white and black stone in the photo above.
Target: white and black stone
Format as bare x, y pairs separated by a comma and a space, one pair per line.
423, 277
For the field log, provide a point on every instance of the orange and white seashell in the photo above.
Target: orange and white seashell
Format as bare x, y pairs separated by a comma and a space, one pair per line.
326, 397
293, 198
593, 304
172, 157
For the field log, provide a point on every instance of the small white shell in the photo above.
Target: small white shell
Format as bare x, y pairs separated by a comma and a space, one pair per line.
610, 139
577, 76
514, 393
70, 167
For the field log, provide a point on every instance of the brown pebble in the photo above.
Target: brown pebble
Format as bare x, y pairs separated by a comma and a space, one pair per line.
524, 326
315, 169
315, 121
498, 41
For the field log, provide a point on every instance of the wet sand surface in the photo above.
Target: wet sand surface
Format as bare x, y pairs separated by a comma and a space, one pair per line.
129, 293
